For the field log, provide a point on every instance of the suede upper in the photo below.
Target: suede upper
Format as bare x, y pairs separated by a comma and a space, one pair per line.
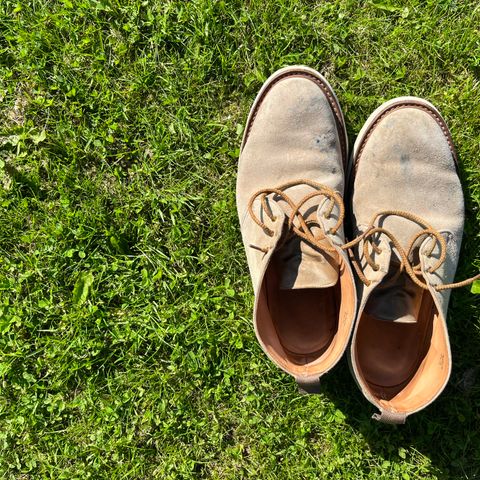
408, 164
293, 136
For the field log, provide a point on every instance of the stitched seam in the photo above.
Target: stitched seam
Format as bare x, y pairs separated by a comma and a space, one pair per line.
432, 113
330, 98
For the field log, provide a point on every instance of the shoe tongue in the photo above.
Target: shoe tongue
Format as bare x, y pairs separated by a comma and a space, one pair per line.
303, 266
300, 264
396, 299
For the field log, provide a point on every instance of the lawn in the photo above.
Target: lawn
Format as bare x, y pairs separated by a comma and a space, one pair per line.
126, 344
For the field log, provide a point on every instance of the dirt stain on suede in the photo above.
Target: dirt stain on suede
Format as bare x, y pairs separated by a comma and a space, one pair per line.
325, 141
405, 163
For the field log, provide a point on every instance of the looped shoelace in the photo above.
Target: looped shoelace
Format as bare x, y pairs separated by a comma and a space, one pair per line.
304, 231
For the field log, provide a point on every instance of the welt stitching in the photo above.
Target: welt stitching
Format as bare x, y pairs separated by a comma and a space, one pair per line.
325, 90
436, 117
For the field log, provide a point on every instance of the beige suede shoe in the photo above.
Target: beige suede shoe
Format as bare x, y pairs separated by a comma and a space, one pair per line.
408, 212
289, 198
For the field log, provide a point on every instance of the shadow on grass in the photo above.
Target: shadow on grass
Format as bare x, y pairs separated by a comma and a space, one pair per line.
448, 431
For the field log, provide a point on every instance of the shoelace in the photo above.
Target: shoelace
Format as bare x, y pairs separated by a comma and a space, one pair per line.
304, 231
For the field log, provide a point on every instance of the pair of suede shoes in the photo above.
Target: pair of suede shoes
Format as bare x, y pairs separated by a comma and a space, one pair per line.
390, 283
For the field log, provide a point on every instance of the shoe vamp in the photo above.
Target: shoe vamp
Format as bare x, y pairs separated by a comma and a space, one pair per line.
407, 165
293, 137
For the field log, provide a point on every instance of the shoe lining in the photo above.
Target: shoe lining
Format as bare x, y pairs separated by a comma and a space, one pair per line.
306, 320
282, 336
404, 365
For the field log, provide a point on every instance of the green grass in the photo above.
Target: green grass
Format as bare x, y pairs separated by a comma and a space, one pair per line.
127, 350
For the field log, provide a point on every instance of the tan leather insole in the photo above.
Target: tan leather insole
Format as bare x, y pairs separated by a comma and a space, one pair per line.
389, 353
306, 320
